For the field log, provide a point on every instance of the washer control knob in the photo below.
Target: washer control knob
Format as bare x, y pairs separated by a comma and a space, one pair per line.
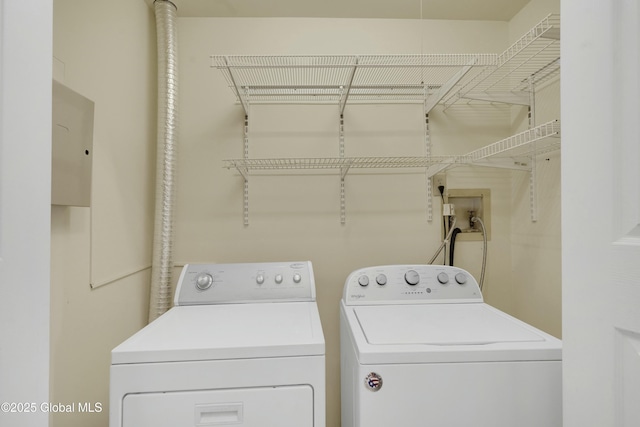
381, 279
461, 278
443, 278
363, 280
297, 278
412, 277
278, 278
204, 281
260, 279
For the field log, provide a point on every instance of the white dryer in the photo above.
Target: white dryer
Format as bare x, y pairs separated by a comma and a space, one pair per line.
419, 347
243, 346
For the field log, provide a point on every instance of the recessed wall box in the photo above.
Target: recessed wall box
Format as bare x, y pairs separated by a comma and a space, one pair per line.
72, 147
471, 202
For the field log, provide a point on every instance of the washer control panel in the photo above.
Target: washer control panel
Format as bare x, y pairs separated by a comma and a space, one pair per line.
408, 284
201, 284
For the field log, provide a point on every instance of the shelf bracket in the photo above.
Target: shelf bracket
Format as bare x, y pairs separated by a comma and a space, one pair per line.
507, 97
504, 164
440, 167
243, 171
344, 170
552, 33
242, 93
346, 90
435, 98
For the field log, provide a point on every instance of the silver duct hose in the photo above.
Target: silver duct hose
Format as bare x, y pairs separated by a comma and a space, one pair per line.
161, 269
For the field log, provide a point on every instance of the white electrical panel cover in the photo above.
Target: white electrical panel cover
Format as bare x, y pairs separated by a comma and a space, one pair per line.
72, 147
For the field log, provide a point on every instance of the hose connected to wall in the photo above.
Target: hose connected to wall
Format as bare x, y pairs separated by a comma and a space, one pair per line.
161, 269
452, 245
444, 241
484, 248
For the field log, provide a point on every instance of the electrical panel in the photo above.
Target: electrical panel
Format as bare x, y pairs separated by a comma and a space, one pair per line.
72, 147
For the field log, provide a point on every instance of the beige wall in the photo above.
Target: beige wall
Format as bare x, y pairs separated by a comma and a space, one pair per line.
297, 217
536, 247
106, 52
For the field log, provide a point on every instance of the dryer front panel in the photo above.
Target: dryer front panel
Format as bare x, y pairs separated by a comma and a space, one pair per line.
287, 406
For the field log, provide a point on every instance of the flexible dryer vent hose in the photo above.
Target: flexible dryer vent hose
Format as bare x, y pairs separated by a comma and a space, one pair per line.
161, 270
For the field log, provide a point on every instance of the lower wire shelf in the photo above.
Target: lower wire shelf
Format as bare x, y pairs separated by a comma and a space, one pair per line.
519, 145
515, 152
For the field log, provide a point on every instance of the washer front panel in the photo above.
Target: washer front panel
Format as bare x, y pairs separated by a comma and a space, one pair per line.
410, 284
507, 394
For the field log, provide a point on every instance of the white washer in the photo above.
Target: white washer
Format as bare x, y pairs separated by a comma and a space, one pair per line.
419, 347
243, 346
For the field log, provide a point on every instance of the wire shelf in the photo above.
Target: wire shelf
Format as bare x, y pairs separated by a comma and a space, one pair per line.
534, 58
521, 144
336, 79
332, 163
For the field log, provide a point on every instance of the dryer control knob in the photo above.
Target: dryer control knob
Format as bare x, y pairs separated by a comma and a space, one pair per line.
204, 281
443, 278
278, 278
412, 277
461, 278
297, 278
381, 279
363, 281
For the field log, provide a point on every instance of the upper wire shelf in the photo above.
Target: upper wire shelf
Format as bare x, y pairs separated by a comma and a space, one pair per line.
342, 78
534, 59
430, 78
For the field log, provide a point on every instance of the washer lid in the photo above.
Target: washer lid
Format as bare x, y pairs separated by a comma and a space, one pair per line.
236, 331
441, 325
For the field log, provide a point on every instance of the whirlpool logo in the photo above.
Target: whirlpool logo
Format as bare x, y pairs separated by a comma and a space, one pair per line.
373, 381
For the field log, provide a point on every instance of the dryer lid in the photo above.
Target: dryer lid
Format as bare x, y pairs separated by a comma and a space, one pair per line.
441, 325
231, 331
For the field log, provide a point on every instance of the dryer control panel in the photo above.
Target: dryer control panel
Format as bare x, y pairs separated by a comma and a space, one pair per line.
410, 284
201, 284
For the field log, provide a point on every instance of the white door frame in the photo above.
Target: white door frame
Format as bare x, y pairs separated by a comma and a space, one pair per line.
25, 212
601, 212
